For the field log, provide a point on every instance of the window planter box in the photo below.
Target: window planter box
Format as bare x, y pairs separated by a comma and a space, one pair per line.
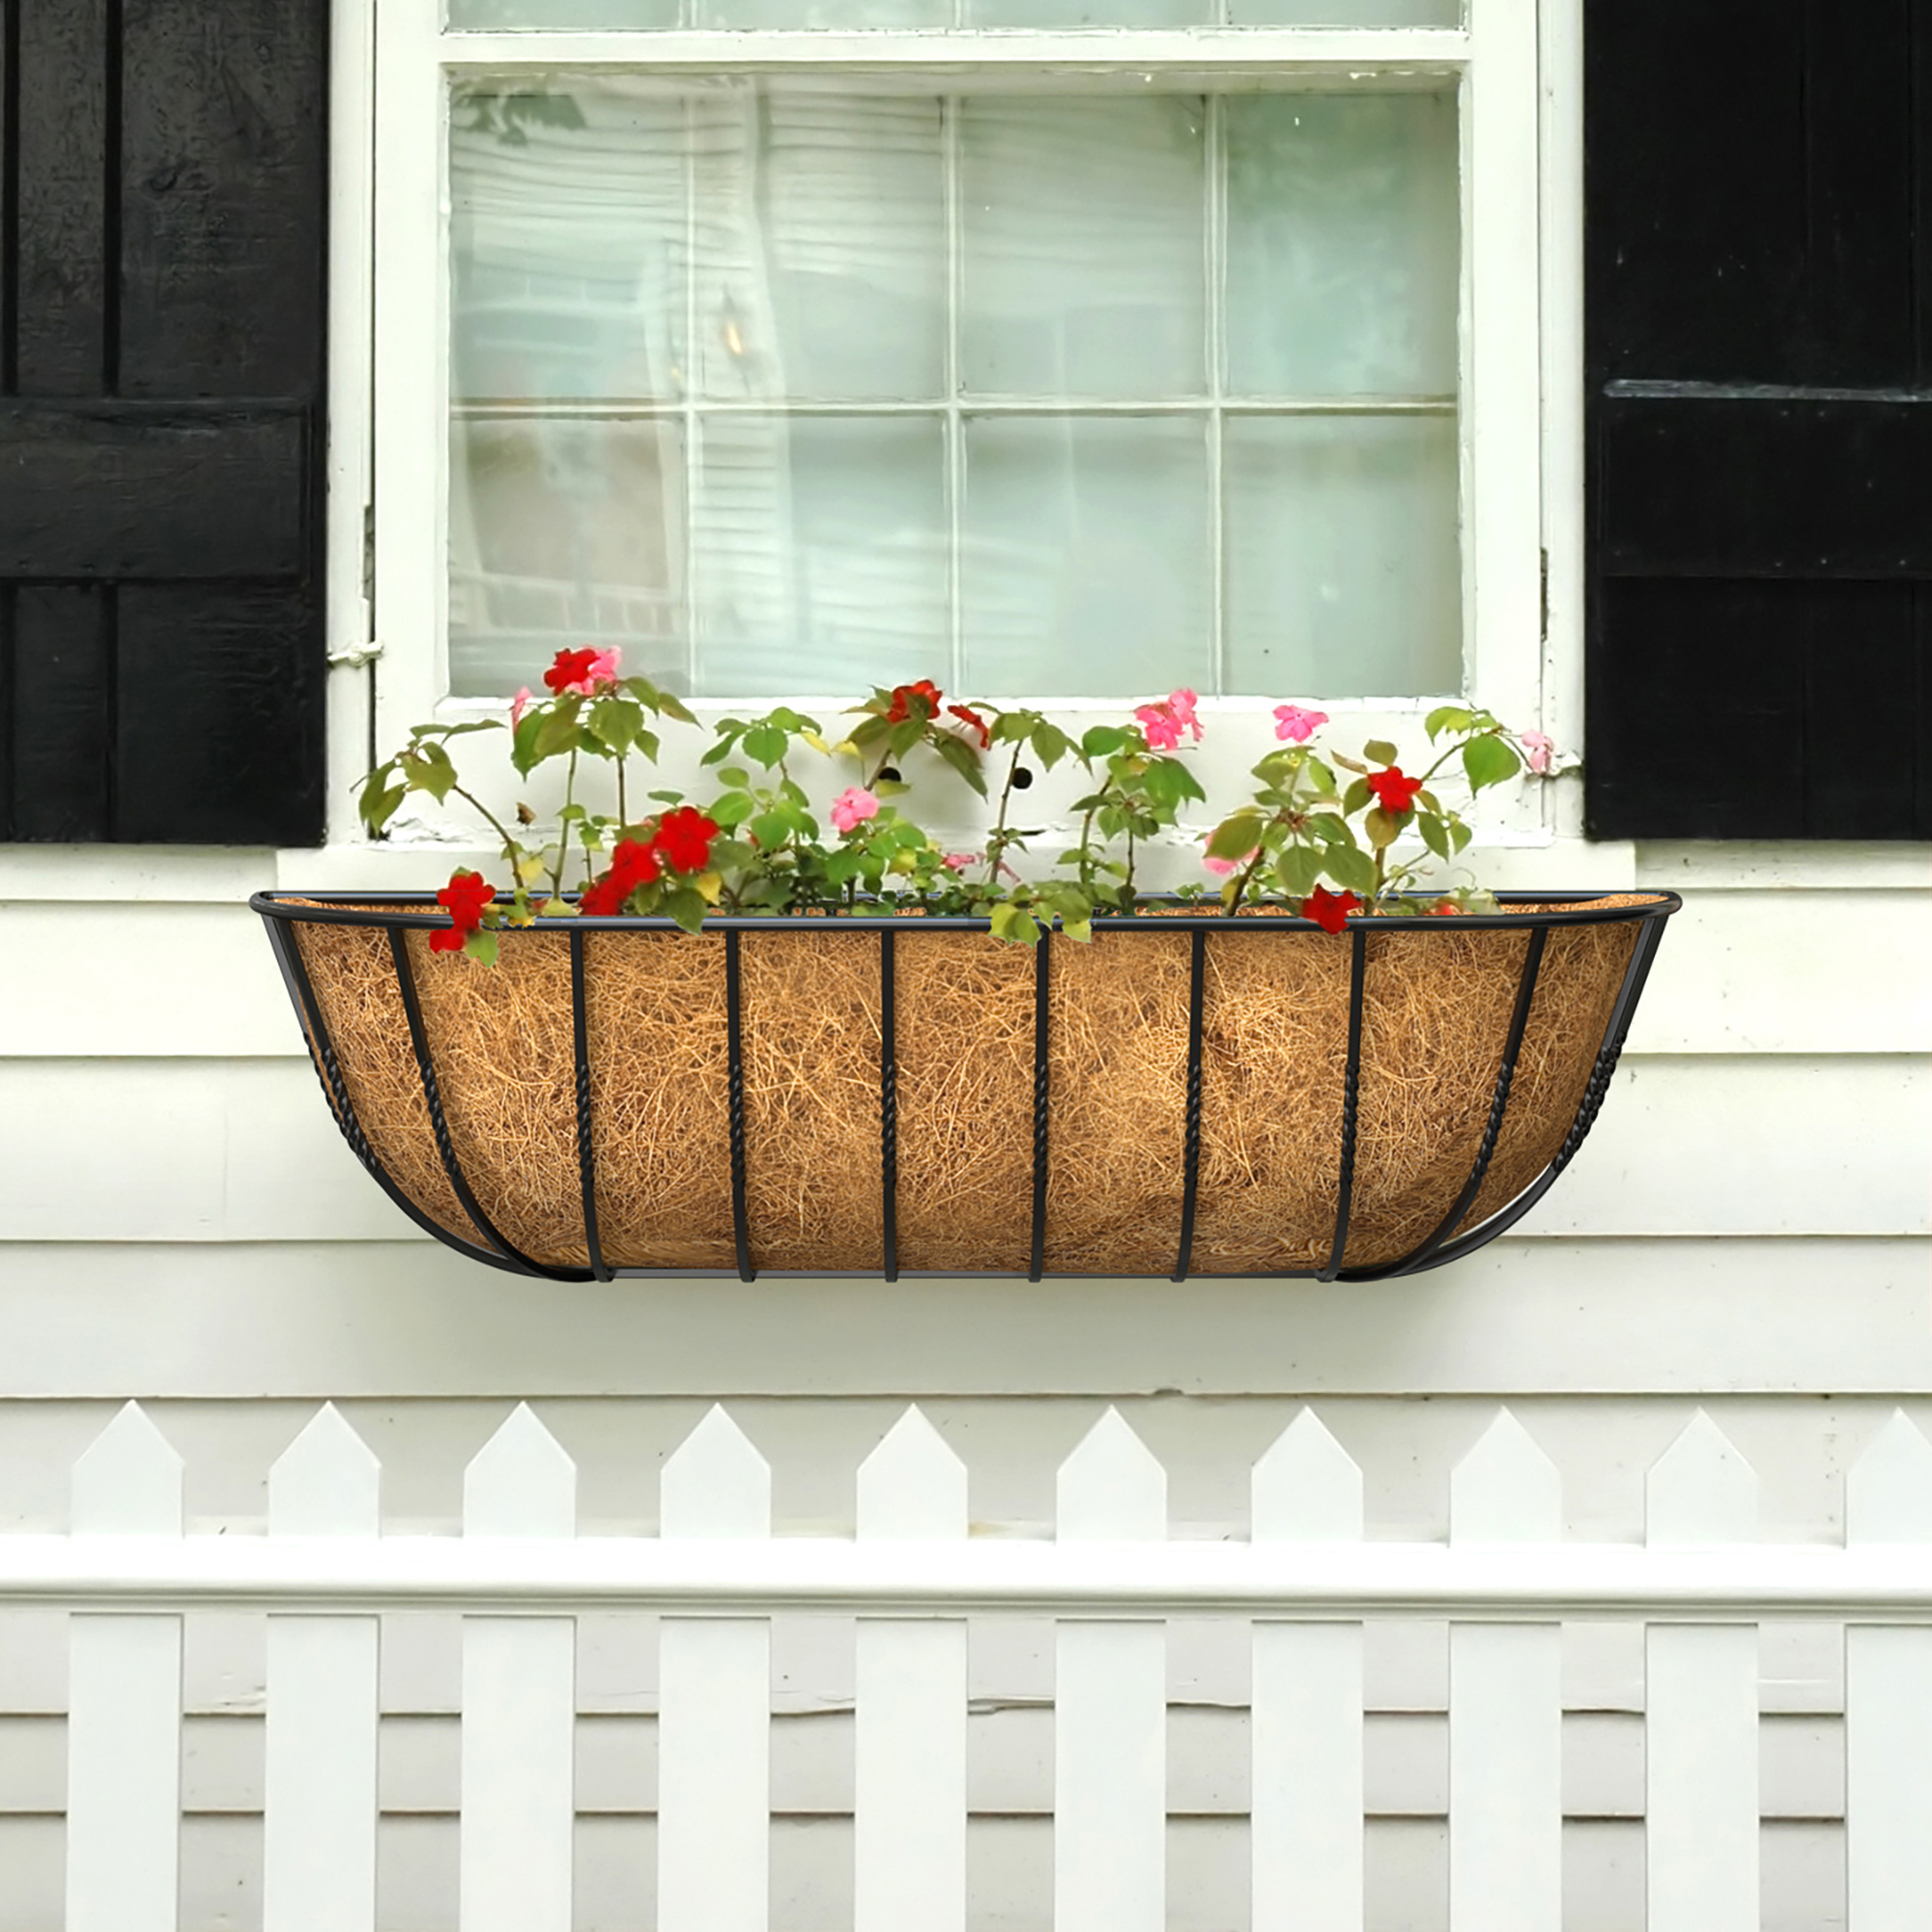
1187, 1094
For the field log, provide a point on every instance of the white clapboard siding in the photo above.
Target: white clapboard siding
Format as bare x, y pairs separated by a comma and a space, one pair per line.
1889, 1701
247, 1151
519, 1700
1110, 1706
319, 1778
714, 1722
1520, 1318
1701, 1719
124, 1703
1505, 1705
909, 1785
1306, 1796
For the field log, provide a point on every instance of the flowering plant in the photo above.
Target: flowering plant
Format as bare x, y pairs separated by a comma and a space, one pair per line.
1324, 845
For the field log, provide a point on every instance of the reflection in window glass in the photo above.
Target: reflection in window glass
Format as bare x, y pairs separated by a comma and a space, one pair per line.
790, 388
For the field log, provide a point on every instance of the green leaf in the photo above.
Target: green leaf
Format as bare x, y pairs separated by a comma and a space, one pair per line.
557, 732
771, 829
481, 945
764, 745
1460, 833
1079, 930
1489, 761
1298, 870
686, 906
1446, 717
1237, 837
963, 760
1380, 750
473, 724
1167, 782
1383, 828
1435, 833
731, 808
1015, 727
1350, 868
1102, 741
1049, 743
377, 807
1355, 797
731, 775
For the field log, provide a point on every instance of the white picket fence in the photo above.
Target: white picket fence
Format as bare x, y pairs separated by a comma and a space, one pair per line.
1304, 1584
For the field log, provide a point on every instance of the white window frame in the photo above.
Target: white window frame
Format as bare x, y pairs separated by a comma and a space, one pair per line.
1520, 383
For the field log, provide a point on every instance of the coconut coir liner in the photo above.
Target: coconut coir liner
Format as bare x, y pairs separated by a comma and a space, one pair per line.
1436, 1004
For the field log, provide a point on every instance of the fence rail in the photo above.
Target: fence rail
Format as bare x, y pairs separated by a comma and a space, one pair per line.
1304, 1584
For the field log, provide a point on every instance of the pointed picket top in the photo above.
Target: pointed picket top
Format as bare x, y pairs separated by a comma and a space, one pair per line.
1505, 1489
128, 1481
1111, 1488
520, 1483
912, 1484
326, 1482
1700, 1490
1306, 1488
1889, 1492
716, 1484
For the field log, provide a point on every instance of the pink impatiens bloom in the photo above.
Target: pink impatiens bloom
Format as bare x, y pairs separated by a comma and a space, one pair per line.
1226, 868
1539, 749
852, 807
519, 705
1164, 720
1294, 725
957, 862
604, 667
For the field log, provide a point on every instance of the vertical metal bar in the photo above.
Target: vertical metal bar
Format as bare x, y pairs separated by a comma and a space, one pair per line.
734, 1060
1191, 1157
1525, 993
889, 1111
1351, 1083
1042, 1082
406, 980
322, 1056
586, 1154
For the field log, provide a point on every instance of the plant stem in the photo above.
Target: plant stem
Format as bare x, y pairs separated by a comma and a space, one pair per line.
483, 812
996, 843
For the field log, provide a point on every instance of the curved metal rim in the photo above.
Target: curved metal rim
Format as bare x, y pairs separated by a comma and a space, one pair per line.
280, 911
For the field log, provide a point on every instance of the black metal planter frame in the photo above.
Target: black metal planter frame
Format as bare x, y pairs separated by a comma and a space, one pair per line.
396, 912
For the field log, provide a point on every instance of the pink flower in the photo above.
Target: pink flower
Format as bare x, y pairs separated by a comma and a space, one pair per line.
604, 667
851, 808
958, 861
1294, 725
1164, 720
1226, 868
1539, 749
519, 705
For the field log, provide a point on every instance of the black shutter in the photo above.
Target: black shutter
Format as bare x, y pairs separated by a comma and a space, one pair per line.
1758, 238
162, 240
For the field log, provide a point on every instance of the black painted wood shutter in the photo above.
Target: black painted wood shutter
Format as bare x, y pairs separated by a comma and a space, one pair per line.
162, 325
1758, 303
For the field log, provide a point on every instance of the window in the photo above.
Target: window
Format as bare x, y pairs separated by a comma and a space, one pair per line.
1058, 363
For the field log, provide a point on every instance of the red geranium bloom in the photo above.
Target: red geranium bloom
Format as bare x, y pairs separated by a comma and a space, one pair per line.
1329, 910
684, 838
465, 897
926, 690
571, 668
974, 722
1395, 791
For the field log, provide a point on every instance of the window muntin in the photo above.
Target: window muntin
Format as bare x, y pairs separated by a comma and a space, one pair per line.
788, 384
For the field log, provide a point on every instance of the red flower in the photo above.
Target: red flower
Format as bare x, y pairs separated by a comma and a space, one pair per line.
684, 838
571, 668
632, 865
466, 897
974, 722
925, 691
1445, 909
1395, 791
1329, 910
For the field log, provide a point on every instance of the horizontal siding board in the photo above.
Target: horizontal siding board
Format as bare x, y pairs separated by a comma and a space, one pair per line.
1565, 1316
247, 1151
1740, 971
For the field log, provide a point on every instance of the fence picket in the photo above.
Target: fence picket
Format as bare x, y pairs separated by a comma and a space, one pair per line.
1110, 1707
1305, 1814
909, 1811
1888, 1700
124, 1703
319, 1802
714, 1708
1505, 1705
1701, 1719
519, 1702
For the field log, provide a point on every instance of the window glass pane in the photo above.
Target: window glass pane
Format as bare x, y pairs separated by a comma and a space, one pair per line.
791, 386
563, 531
1084, 270
821, 12
1090, 13
1345, 14
820, 546
1342, 576
1342, 245
1085, 556
639, 15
